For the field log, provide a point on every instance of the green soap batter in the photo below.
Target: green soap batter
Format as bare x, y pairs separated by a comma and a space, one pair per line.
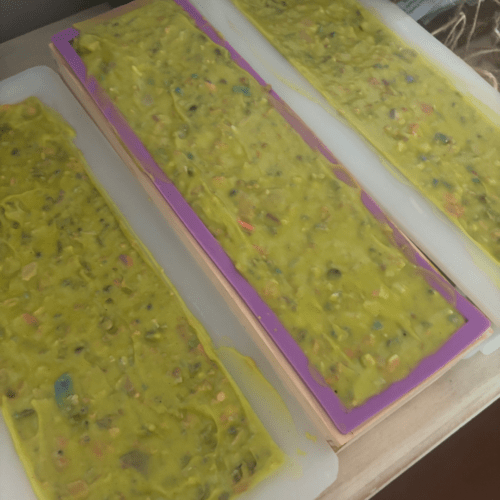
398, 101
363, 314
108, 384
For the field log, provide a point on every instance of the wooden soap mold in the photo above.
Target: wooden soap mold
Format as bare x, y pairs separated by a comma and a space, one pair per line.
284, 369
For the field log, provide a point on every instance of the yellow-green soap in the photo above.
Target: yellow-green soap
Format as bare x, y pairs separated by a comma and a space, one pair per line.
404, 105
108, 384
362, 313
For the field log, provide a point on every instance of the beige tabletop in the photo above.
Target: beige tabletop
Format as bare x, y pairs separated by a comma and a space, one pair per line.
387, 450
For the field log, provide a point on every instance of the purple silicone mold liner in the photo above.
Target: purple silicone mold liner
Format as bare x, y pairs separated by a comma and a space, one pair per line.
344, 419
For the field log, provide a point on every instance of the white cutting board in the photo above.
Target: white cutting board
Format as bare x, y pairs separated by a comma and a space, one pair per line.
477, 276
312, 466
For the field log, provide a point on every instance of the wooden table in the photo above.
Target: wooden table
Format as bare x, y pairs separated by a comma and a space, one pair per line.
387, 450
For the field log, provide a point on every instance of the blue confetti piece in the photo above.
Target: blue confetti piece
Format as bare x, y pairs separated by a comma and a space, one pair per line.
377, 325
441, 138
63, 388
410, 79
242, 90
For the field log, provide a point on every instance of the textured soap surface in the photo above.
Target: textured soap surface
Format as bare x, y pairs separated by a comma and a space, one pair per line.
108, 384
363, 314
400, 102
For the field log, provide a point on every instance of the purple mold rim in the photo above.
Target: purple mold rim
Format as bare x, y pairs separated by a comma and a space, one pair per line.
346, 420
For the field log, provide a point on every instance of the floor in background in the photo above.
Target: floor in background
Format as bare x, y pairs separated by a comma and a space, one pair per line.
464, 467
